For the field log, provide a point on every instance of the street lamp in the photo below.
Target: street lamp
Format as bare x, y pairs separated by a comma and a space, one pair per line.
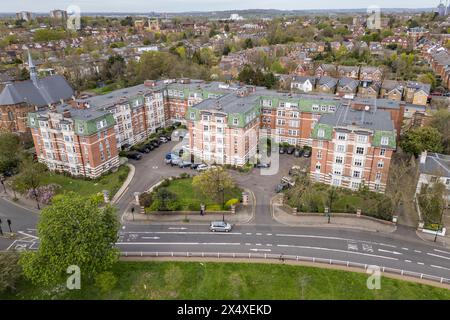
132, 212
221, 189
9, 225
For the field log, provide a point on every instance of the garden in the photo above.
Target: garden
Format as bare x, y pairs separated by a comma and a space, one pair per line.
185, 193
314, 197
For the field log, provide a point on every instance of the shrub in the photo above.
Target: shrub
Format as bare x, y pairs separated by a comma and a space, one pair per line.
165, 183
105, 281
123, 176
231, 202
185, 175
145, 199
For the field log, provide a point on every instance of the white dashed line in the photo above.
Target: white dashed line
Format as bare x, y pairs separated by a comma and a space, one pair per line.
438, 256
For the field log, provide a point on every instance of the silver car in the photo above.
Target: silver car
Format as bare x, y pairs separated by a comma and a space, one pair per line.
220, 226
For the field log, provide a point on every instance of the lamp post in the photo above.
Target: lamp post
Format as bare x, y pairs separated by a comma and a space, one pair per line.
221, 189
132, 212
9, 225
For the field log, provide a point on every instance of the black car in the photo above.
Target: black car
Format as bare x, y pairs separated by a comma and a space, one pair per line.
150, 146
298, 153
290, 150
155, 143
282, 150
307, 153
143, 149
167, 136
195, 165
263, 165
134, 155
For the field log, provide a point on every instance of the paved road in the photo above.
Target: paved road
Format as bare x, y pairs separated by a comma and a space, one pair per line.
401, 250
345, 245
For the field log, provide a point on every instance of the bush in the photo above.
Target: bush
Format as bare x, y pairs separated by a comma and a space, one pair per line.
105, 281
185, 175
231, 202
123, 176
145, 199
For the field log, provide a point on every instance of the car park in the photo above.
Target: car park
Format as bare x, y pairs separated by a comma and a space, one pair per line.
134, 155
290, 150
220, 226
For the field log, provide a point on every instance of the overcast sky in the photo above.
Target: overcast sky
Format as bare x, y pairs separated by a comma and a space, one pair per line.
202, 5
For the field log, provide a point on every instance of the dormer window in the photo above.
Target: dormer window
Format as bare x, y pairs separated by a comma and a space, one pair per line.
384, 141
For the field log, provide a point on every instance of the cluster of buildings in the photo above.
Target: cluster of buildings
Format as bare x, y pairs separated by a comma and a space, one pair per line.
364, 82
352, 140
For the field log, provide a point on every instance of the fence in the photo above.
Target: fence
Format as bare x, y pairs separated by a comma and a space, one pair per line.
268, 256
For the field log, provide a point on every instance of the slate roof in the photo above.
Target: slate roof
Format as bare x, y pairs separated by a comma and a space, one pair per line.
49, 90
436, 164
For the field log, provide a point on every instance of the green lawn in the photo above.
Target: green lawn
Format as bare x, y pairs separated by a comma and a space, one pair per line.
191, 199
111, 182
220, 281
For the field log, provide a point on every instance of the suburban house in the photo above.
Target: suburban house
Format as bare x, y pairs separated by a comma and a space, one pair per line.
303, 84
326, 70
370, 74
417, 92
391, 89
347, 86
327, 84
434, 167
348, 71
369, 89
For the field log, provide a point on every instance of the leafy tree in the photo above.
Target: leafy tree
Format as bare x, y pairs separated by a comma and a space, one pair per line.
114, 68
431, 201
248, 43
214, 183
9, 152
165, 199
417, 140
128, 21
30, 178
10, 270
227, 28
441, 121
73, 230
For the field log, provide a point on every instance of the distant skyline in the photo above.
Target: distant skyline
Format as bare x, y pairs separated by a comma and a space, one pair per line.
143, 6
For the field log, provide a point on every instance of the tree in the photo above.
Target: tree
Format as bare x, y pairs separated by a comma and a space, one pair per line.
441, 121
30, 178
431, 201
73, 230
9, 152
248, 43
417, 140
164, 198
10, 270
214, 183
332, 196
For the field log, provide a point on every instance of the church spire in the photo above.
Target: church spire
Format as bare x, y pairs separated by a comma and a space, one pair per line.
32, 69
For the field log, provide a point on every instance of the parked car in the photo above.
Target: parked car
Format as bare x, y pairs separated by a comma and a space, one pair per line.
184, 164
282, 150
194, 166
155, 143
202, 167
307, 153
134, 155
298, 153
163, 139
168, 137
143, 149
220, 226
280, 187
263, 165
290, 150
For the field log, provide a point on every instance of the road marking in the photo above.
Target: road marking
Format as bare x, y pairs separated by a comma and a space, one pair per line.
269, 245
174, 228
153, 238
264, 250
181, 243
437, 250
421, 263
438, 256
352, 246
367, 247
258, 244
333, 238
27, 235
248, 244
439, 267
405, 249
258, 234
407, 260
268, 234
248, 233
418, 251
387, 251
336, 250
183, 232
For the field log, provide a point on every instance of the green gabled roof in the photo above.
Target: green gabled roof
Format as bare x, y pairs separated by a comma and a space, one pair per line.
303, 104
390, 134
328, 130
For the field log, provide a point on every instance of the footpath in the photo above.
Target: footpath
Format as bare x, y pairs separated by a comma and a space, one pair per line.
349, 221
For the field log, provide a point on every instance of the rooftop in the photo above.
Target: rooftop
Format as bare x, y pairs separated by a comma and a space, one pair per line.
436, 164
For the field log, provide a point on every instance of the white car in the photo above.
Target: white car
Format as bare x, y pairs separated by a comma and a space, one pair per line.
220, 226
202, 167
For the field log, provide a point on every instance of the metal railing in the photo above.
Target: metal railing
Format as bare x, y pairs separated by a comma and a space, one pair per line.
268, 256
